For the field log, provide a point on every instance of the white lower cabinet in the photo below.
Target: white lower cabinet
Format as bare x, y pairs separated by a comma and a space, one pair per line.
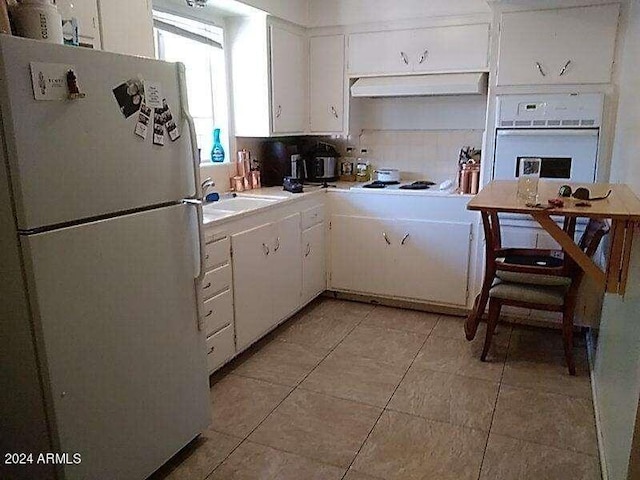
220, 348
413, 259
267, 277
314, 279
216, 295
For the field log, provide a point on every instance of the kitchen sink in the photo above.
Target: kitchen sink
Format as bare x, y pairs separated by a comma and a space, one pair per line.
229, 206
240, 204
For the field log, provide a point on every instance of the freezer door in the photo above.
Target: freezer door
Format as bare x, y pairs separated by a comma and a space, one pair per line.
123, 362
77, 159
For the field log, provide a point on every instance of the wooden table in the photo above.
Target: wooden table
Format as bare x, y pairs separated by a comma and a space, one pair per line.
622, 208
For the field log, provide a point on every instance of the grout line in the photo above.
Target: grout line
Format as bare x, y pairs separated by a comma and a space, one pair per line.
389, 401
293, 389
495, 404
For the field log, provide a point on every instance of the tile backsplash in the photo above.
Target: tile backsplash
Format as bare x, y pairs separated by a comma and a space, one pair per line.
419, 154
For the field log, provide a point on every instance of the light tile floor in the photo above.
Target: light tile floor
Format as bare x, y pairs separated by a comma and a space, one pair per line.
350, 391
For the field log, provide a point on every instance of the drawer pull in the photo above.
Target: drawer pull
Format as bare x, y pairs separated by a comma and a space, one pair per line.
277, 247
404, 239
209, 314
206, 257
308, 251
539, 67
265, 248
404, 57
335, 114
211, 350
423, 57
386, 239
208, 285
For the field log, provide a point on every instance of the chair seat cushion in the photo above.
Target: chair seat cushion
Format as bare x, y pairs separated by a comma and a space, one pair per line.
533, 278
537, 294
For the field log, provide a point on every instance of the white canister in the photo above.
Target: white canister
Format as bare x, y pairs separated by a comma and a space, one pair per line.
38, 19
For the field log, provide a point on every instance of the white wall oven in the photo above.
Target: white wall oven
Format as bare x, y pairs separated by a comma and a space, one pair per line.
561, 129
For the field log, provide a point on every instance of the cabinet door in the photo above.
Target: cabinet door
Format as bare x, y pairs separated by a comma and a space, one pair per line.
536, 46
464, 47
360, 255
326, 80
526, 40
252, 283
380, 52
426, 267
313, 263
127, 27
285, 275
585, 39
289, 71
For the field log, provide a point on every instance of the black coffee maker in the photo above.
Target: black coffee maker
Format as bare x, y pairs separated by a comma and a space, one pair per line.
275, 161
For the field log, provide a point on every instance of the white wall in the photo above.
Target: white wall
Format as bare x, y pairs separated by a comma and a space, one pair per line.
324, 13
617, 368
296, 11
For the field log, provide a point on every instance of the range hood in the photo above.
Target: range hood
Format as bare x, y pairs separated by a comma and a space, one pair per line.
421, 85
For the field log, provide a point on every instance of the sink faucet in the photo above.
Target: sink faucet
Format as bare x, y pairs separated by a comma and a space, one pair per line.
206, 185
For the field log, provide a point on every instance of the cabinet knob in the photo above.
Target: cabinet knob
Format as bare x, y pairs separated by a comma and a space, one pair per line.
405, 58
423, 57
334, 111
279, 111
386, 239
564, 69
539, 67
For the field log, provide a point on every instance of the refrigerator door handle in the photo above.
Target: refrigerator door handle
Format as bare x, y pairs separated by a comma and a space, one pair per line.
197, 200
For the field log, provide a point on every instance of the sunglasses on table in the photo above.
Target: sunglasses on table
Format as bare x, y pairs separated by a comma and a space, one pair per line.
581, 193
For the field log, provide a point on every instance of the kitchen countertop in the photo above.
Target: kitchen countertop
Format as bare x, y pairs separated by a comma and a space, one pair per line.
217, 213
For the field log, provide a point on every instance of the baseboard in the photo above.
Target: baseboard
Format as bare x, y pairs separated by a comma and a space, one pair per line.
591, 350
392, 302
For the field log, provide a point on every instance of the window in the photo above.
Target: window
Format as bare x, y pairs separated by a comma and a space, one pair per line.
200, 47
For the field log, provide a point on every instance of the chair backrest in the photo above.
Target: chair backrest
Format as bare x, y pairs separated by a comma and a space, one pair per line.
592, 236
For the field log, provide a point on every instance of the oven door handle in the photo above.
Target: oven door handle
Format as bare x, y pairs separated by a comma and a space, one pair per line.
549, 132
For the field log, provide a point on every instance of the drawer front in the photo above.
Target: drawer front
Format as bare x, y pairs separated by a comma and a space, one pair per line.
216, 281
312, 216
220, 348
218, 312
217, 252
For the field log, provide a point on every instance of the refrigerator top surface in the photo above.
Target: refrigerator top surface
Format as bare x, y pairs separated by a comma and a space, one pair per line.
71, 160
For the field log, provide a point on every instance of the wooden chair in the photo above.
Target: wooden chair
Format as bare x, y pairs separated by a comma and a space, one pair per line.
535, 279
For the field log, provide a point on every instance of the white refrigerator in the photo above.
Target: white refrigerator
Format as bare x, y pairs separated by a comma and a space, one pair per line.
102, 357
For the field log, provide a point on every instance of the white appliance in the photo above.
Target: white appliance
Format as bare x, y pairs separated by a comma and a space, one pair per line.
561, 129
101, 350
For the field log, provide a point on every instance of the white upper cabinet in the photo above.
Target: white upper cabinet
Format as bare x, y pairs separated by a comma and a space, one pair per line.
127, 27
425, 50
270, 71
289, 74
327, 82
562, 46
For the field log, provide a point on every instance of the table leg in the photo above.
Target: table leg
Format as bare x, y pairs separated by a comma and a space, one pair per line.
479, 306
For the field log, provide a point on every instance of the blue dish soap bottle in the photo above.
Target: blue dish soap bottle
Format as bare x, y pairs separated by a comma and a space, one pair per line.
217, 152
